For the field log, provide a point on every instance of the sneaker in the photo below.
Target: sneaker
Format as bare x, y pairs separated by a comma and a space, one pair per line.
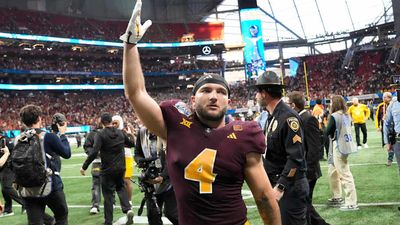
389, 163
359, 147
365, 145
93, 211
349, 208
335, 201
4, 214
129, 217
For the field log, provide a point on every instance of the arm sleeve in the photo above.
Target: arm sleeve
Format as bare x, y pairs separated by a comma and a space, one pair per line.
331, 127
313, 140
58, 145
294, 152
367, 112
93, 154
88, 145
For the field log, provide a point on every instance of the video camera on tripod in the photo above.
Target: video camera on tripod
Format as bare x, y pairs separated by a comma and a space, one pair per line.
151, 168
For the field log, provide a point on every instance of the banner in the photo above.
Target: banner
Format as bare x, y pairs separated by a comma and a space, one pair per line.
254, 46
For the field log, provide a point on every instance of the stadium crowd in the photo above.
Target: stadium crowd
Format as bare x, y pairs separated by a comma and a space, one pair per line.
83, 107
42, 23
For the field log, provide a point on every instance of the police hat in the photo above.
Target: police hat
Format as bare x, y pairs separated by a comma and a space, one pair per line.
269, 81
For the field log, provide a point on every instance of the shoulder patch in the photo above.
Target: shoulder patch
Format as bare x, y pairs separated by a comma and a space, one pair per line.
293, 123
182, 108
237, 127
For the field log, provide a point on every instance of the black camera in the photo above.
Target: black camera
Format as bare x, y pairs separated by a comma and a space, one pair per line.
59, 119
151, 168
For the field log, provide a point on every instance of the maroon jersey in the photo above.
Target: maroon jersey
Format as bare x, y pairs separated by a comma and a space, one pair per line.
206, 166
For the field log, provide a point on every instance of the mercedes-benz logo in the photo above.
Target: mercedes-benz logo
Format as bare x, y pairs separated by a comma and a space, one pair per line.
206, 50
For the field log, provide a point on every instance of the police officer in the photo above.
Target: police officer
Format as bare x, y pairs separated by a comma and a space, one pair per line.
284, 159
392, 128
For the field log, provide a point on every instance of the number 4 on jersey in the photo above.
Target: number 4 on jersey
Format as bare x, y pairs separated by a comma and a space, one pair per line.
200, 169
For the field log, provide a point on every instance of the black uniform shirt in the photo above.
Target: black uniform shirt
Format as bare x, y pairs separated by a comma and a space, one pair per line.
284, 159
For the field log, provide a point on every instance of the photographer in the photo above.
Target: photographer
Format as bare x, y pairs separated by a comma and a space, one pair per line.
149, 149
55, 144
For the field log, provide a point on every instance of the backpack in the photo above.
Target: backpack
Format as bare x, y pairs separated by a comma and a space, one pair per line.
343, 136
28, 161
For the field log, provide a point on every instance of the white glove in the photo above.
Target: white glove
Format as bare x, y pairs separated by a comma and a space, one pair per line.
135, 30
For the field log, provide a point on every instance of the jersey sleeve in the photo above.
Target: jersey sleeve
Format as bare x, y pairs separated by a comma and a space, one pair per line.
255, 139
171, 108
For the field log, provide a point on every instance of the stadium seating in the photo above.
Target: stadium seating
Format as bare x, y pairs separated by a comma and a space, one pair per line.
41, 23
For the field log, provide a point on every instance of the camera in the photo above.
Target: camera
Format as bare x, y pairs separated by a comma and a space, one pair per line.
59, 119
151, 168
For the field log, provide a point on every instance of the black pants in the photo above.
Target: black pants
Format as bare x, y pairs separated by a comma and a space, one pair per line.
363, 127
293, 204
313, 217
168, 200
109, 184
9, 193
96, 185
35, 208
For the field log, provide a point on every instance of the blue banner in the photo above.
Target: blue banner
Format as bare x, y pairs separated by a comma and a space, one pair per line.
254, 46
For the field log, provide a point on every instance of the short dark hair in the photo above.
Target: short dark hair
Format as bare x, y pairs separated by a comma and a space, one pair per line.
297, 98
318, 101
106, 118
30, 114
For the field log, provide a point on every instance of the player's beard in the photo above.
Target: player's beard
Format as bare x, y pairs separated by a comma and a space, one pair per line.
203, 114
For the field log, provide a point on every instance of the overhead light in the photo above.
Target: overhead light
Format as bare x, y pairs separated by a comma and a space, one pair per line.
38, 46
77, 48
112, 50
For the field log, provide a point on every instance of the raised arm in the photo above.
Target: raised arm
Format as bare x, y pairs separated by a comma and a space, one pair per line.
145, 107
262, 191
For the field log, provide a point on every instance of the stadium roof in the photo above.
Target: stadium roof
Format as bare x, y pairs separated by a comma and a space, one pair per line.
284, 20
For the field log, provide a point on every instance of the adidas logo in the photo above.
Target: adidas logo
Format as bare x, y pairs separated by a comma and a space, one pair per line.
232, 136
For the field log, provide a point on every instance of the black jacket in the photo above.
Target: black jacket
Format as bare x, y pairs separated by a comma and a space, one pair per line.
313, 137
110, 142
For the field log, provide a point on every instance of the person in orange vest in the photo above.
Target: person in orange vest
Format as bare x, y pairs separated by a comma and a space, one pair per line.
380, 117
359, 114
319, 112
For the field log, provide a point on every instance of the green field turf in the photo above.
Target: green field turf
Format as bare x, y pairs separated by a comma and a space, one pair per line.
377, 189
